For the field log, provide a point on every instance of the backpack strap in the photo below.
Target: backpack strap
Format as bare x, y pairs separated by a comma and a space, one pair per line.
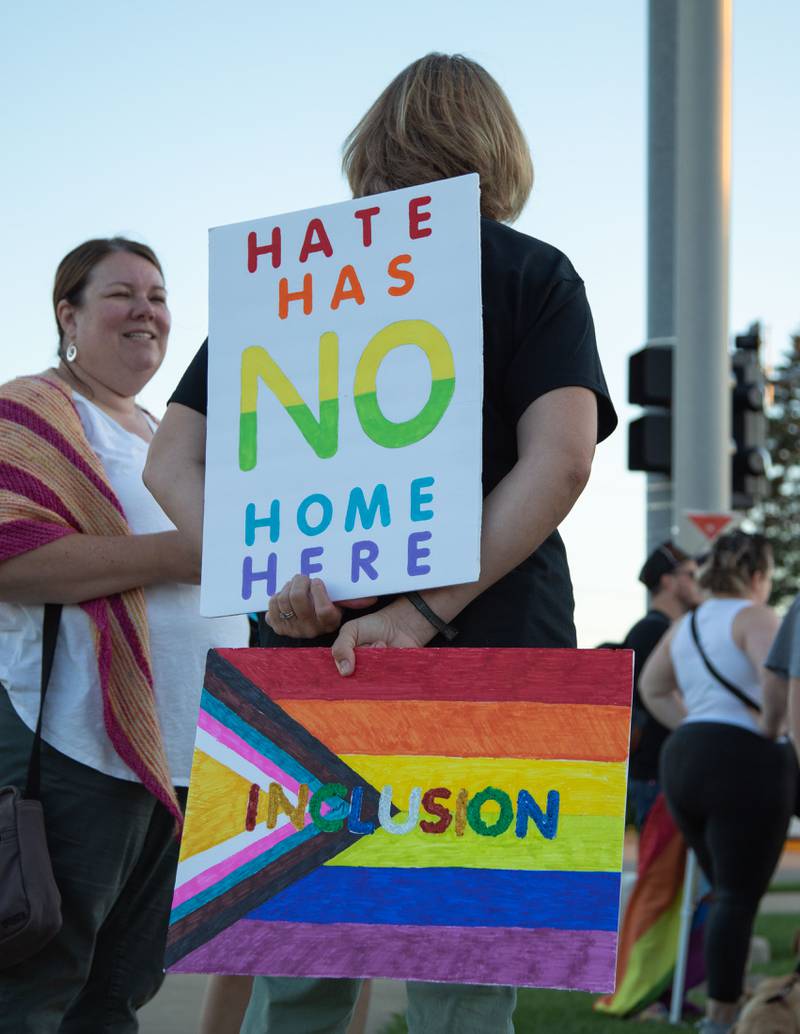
52, 619
738, 693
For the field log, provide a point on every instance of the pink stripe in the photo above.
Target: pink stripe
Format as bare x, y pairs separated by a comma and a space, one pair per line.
98, 612
20, 482
21, 414
18, 537
131, 635
230, 739
217, 872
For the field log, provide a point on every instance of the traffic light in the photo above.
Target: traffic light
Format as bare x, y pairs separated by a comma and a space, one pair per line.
749, 422
650, 384
650, 435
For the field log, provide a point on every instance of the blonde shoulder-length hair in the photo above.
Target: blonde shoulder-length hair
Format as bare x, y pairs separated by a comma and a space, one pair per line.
442, 116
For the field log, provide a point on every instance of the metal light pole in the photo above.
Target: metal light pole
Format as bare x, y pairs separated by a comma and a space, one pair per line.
661, 163
701, 431
701, 416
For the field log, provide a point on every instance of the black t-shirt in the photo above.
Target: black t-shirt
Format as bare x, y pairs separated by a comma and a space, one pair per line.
648, 733
538, 335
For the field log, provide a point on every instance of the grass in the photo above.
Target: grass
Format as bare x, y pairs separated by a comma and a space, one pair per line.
570, 1012
785, 887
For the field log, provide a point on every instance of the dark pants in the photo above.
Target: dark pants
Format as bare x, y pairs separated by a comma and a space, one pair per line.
114, 856
731, 793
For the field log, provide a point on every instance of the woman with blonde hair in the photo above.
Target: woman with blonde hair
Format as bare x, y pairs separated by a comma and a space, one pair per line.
546, 406
728, 783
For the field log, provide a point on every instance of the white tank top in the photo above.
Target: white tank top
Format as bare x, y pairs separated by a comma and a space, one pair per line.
705, 698
179, 637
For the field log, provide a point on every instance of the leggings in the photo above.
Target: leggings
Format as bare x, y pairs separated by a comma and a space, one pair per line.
731, 792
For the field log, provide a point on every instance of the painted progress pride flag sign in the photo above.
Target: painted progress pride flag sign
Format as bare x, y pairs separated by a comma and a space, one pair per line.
361, 827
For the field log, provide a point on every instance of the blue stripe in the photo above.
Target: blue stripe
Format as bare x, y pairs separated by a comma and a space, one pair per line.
244, 872
449, 897
258, 742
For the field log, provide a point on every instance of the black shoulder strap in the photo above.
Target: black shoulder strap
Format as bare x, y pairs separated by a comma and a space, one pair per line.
52, 619
738, 693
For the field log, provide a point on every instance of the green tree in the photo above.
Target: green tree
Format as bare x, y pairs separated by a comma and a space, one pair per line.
778, 515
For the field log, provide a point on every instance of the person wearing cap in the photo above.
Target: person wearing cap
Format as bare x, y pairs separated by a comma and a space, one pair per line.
670, 576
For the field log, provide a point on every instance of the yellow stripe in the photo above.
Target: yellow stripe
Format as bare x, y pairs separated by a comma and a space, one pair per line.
580, 845
258, 364
405, 332
594, 788
328, 366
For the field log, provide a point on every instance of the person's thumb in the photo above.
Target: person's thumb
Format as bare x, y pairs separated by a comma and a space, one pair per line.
344, 648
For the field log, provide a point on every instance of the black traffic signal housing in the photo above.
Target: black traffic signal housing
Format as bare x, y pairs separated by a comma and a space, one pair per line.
650, 435
650, 384
748, 422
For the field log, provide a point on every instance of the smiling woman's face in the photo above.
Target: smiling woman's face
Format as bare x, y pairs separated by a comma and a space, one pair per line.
121, 326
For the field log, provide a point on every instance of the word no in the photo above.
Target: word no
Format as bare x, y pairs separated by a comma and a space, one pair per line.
322, 434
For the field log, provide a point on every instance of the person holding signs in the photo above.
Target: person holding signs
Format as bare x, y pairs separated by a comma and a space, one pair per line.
545, 407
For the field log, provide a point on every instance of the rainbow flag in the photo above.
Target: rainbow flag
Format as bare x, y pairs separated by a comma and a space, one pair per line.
452, 815
650, 928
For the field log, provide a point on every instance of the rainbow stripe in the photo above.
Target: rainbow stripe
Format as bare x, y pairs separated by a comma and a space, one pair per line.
531, 905
650, 928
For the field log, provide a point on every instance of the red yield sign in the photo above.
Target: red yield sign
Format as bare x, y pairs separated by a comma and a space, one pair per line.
710, 524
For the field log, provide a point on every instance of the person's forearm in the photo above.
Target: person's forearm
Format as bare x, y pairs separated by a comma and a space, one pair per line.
175, 470
794, 712
179, 489
518, 515
83, 567
775, 691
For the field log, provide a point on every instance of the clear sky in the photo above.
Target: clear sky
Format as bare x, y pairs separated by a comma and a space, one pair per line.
160, 119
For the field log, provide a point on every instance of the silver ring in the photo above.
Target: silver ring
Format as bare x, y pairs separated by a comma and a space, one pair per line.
287, 615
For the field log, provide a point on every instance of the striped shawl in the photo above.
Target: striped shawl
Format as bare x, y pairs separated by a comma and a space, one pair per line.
53, 484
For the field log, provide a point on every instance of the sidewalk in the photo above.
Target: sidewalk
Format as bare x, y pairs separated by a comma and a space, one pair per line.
176, 1009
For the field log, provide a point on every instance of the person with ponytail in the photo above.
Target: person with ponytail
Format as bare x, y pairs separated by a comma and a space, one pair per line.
78, 528
728, 775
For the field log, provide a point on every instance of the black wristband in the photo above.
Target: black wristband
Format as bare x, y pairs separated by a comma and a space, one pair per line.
448, 631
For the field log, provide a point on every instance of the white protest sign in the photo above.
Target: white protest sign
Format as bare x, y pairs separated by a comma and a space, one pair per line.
345, 393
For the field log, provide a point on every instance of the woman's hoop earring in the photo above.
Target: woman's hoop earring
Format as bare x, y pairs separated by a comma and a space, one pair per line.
71, 352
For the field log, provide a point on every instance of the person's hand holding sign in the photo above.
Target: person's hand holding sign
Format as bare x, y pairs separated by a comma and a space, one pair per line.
303, 609
399, 625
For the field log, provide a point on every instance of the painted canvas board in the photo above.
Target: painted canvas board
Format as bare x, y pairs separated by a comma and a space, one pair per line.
376, 827
345, 397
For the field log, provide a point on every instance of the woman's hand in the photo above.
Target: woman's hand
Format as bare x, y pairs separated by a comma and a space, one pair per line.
303, 609
399, 624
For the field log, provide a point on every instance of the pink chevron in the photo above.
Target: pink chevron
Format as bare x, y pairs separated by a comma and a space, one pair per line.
217, 872
230, 739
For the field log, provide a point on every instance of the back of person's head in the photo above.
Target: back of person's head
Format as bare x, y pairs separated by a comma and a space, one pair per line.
76, 267
663, 560
733, 561
442, 116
